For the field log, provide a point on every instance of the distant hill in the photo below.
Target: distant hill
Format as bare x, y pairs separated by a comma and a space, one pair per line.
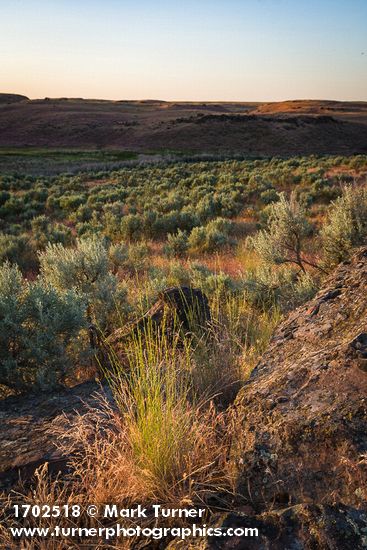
254, 129
314, 107
12, 98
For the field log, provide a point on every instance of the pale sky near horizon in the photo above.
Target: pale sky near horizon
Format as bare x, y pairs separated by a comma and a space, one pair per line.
234, 50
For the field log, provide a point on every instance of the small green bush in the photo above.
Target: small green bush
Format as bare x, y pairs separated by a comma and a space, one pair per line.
85, 269
177, 244
212, 237
17, 249
37, 325
138, 254
282, 241
118, 255
346, 225
45, 232
131, 227
268, 196
71, 202
268, 287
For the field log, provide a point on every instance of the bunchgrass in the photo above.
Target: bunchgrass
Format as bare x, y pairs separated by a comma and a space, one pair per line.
169, 429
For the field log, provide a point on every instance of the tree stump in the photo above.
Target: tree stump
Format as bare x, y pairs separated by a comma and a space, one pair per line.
178, 312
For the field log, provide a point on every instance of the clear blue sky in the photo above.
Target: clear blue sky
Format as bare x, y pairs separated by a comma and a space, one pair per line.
185, 50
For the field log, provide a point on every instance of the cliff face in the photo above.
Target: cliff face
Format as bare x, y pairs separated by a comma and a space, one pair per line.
303, 443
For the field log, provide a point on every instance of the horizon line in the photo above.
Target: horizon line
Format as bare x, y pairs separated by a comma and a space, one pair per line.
184, 100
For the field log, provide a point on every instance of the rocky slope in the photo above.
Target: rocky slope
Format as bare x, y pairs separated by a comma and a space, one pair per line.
302, 447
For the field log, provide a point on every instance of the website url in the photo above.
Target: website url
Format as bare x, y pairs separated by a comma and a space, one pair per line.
118, 530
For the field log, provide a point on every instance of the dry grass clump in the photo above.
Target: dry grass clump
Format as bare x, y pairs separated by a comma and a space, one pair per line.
179, 459
240, 335
46, 490
117, 459
158, 443
170, 436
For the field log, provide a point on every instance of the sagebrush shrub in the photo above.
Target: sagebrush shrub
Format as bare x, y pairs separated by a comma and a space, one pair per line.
137, 257
282, 241
45, 232
346, 225
17, 249
131, 227
212, 237
87, 270
37, 325
177, 244
118, 255
268, 287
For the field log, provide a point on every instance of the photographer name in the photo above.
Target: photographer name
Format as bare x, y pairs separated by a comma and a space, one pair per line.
156, 510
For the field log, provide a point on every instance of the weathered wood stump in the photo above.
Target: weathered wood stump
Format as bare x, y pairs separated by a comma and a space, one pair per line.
179, 311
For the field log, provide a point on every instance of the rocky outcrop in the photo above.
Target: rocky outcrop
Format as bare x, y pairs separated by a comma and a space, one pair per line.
302, 448
26, 436
303, 526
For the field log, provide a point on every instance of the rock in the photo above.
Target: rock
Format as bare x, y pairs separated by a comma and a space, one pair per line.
26, 438
360, 342
300, 527
303, 436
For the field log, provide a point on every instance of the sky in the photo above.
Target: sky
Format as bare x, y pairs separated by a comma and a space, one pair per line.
194, 50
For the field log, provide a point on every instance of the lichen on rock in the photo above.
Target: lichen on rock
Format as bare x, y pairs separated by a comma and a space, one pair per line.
302, 448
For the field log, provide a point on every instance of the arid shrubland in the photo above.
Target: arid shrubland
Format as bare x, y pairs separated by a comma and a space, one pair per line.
166, 435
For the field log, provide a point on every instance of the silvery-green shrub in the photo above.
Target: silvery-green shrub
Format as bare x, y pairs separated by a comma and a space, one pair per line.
37, 326
86, 269
345, 226
282, 241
